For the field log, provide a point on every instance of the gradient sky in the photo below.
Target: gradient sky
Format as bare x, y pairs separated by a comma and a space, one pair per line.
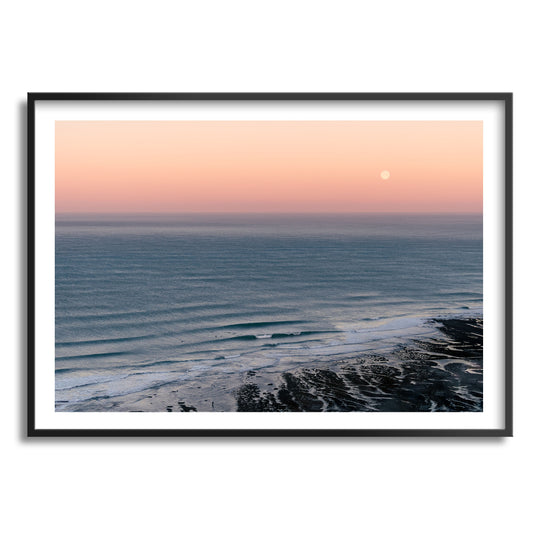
269, 166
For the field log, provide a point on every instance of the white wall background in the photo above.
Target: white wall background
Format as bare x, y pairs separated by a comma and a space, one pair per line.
263, 485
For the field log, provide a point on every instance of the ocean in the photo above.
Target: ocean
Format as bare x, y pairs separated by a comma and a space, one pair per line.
180, 312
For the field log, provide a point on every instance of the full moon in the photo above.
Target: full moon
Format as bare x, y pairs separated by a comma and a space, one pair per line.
385, 174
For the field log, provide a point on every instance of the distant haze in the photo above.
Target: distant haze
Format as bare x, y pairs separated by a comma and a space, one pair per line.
269, 166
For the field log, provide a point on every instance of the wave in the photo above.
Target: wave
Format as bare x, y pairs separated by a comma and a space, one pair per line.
145, 312
89, 356
459, 293
166, 335
148, 319
134, 366
102, 341
261, 336
132, 382
249, 325
242, 325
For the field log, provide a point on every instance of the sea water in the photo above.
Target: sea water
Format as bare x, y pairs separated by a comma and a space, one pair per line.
144, 301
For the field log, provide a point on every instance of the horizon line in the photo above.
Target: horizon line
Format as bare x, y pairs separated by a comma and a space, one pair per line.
268, 212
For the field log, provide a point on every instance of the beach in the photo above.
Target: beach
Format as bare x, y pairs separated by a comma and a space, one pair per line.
441, 372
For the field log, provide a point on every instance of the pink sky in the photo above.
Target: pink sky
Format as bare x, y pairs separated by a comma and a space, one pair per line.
269, 166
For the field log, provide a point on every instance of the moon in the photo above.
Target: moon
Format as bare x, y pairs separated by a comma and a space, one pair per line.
385, 174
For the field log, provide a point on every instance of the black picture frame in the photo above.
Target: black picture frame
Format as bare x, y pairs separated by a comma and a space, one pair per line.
505, 98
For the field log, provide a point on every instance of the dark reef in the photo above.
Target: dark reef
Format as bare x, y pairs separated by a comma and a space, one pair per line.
439, 374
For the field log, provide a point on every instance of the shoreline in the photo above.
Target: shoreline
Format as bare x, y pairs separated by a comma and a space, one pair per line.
438, 374
442, 371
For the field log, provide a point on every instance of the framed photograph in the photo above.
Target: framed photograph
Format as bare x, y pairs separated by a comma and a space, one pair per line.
273, 264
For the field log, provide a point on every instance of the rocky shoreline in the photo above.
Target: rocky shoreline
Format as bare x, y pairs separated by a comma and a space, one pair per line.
441, 374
